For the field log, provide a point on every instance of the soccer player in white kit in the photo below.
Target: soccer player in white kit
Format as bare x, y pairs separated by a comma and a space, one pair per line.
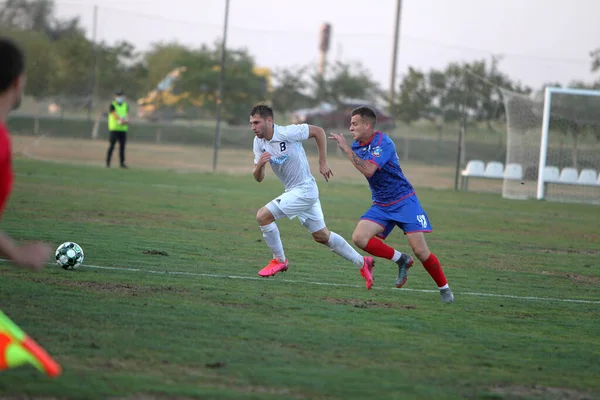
281, 146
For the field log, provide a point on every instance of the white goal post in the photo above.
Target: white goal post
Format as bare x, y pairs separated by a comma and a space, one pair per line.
553, 145
546, 127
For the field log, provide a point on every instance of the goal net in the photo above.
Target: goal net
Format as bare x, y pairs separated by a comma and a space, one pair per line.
553, 146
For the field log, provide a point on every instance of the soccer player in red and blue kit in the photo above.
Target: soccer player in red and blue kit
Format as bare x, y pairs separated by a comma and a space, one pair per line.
395, 203
31, 255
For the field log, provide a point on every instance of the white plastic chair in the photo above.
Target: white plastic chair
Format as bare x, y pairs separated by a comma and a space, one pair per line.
513, 172
494, 169
568, 175
551, 174
474, 168
587, 176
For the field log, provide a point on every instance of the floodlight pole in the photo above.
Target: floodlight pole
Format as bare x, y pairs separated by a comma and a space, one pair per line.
220, 94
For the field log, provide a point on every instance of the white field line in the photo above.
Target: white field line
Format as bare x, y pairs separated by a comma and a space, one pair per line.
303, 282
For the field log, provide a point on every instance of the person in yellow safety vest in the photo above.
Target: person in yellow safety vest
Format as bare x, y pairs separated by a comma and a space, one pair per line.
118, 125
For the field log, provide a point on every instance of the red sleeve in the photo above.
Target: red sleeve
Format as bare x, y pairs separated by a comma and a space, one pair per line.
6, 173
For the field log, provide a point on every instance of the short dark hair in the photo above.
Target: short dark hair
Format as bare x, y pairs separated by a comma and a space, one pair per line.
12, 64
365, 112
262, 110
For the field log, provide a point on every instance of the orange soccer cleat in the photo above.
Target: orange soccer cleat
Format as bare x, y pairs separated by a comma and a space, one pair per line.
274, 267
367, 271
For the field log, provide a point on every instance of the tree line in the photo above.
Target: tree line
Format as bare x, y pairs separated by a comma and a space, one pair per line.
63, 63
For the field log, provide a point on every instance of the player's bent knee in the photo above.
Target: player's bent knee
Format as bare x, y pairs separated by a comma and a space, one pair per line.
264, 216
360, 240
321, 236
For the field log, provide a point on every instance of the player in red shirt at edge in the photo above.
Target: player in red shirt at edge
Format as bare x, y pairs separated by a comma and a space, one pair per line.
32, 255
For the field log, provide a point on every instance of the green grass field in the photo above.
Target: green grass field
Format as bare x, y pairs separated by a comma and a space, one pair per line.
199, 323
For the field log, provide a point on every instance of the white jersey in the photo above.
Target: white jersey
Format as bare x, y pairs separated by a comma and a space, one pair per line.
288, 158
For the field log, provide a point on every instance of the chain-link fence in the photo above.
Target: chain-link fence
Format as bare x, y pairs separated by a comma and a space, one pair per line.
77, 62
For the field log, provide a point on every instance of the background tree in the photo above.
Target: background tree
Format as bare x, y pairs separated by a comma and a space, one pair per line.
120, 67
344, 81
37, 15
414, 97
197, 88
438, 95
290, 89
161, 59
76, 56
42, 61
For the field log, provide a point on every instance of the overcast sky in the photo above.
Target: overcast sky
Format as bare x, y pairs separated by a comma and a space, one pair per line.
540, 40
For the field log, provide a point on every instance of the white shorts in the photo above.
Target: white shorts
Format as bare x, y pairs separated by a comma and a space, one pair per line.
301, 202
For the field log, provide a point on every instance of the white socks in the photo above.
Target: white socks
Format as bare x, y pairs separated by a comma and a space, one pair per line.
336, 243
396, 256
339, 246
273, 240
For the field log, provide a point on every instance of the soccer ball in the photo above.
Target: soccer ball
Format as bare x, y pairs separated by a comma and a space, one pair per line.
69, 255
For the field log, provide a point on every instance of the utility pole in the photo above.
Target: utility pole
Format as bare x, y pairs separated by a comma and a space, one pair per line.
94, 74
220, 95
462, 129
395, 54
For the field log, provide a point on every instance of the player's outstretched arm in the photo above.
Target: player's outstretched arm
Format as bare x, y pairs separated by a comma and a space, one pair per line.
366, 168
318, 134
33, 255
8, 248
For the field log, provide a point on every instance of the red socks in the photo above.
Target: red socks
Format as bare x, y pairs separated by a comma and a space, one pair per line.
379, 249
434, 268
432, 265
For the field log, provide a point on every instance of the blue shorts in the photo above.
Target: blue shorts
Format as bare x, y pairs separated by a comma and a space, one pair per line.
407, 214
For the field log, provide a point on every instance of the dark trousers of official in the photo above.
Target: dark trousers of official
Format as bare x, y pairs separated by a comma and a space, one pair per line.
122, 138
